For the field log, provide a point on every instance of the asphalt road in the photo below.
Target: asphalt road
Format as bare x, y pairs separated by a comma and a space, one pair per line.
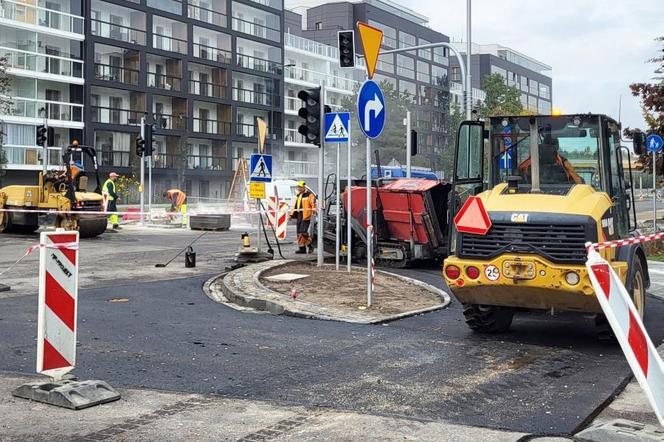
547, 375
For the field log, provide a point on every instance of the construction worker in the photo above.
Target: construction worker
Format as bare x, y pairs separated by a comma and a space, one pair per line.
111, 198
305, 204
554, 168
177, 198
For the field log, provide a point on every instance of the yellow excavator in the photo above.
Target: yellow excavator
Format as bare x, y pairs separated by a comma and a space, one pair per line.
549, 184
56, 191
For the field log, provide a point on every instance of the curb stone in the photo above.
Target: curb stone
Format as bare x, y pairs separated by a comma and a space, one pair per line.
241, 289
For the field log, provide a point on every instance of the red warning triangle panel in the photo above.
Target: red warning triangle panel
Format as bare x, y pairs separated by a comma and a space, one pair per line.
473, 217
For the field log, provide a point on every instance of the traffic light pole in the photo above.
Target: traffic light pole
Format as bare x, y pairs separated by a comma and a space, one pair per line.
321, 172
142, 174
408, 144
349, 211
337, 229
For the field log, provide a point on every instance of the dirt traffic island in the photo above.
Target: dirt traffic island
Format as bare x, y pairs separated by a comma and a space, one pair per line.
341, 294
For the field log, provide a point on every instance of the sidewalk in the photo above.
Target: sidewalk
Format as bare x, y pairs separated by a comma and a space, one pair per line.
167, 416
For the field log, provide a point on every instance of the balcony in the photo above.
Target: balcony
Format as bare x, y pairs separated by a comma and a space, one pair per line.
292, 104
307, 75
170, 122
38, 16
112, 115
117, 32
115, 158
254, 97
256, 29
43, 63
212, 53
212, 127
207, 15
299, 168
118, 74
207, 89
26, 156
194, 162
258, 64
167, 43
293, 136
53, 110
166, 82
251, 130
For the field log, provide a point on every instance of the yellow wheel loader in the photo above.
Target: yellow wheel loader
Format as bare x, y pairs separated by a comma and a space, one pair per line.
56, 191
549, 184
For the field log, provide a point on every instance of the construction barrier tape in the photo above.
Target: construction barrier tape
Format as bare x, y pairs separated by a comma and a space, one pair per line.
624, 242
29, 250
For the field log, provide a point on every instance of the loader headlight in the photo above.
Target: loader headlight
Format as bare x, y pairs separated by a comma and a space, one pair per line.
572, 278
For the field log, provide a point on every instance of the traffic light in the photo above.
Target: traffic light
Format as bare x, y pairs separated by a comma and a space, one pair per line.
140, 146
311, 114
413, 142
42, 135
346, 49
148, 140
639, 140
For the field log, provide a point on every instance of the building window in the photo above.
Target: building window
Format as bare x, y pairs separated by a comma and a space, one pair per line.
385, 63
423, 73
389, 34
440, 56
405, 66
406, 40
544, 91
319, 25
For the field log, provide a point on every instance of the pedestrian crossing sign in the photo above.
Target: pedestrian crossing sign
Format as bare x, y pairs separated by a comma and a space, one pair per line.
337, 125
261, 168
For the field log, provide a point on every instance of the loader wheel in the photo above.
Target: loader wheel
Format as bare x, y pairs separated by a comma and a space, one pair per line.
5, 222
89, 228
488, 318
602, 326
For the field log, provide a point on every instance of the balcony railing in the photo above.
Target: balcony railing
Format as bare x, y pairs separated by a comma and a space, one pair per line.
251, 130
254, 97
36, 15
166, 82
119, 74
207, 126
301, 74
115, 158
26, 156
258, 64
168, 43
212, 53
111, 115
49, 64
299, 168
293, 136
207, 89
117, 32
207, 15
292, 104
193, 162
170, 122
53, 110
255, 29
277, 4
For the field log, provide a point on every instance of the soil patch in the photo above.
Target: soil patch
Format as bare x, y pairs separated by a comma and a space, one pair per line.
348, 292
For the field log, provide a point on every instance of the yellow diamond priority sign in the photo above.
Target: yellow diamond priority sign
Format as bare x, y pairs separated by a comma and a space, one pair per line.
371, 39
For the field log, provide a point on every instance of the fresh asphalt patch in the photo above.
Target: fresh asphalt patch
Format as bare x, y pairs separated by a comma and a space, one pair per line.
547, 375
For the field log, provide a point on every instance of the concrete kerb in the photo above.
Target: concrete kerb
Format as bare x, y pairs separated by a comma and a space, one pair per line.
243, 288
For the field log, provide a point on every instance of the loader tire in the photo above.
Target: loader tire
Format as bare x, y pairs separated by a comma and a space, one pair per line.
602, 326
5, 222
488, 318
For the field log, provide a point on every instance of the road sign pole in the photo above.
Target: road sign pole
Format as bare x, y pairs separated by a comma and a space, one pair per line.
408, 144
654, 190
349, 211
369, 217
143, 174
258, 210
337, 229
321, 172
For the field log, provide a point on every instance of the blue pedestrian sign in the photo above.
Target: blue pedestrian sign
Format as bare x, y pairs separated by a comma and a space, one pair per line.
654, 143
371, 109
506, 161
336, 127
260, 168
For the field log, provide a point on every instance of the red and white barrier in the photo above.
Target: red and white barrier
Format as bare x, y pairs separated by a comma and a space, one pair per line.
277, 216
373, 274
628, 327
58, 295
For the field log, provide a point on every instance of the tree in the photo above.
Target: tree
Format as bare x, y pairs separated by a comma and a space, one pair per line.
5, 106
501, 99
652, 106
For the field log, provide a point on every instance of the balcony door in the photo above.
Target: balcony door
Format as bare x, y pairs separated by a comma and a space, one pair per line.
204, 119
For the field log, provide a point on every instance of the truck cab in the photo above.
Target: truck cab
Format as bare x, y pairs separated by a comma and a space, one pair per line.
550, 185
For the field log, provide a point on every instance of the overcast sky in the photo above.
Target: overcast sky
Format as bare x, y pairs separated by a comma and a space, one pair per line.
596, 47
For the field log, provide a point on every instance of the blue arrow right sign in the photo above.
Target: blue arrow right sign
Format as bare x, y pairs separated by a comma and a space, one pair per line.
371, 109
654, 143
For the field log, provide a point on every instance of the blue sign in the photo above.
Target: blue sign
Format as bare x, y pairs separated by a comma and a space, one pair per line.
260, 168
506, 160
507, 140
336, 127
654, 143
371, 109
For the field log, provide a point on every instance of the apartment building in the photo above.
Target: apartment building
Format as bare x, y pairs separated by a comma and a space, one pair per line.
530, 76
201, 71
43, 45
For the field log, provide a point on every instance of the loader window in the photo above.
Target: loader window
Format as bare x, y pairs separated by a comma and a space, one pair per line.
470, 151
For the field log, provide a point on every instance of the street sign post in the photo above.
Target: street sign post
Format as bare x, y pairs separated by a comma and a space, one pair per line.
337, 126
371, 109
654, 144
261, 168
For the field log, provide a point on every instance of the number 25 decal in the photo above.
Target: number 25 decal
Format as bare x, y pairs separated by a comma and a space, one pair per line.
492, 273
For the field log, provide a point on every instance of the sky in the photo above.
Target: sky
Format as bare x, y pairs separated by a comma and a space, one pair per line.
595, 47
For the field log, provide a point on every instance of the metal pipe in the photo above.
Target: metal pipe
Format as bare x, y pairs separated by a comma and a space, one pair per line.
337, 229
469, 44
409, 142
321, 172
534, 156
349, 211
369, 217
143, 174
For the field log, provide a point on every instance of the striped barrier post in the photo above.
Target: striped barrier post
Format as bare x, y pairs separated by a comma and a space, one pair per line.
628, 327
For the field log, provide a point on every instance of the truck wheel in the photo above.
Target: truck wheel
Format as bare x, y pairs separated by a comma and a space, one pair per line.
488, 318
602, 326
